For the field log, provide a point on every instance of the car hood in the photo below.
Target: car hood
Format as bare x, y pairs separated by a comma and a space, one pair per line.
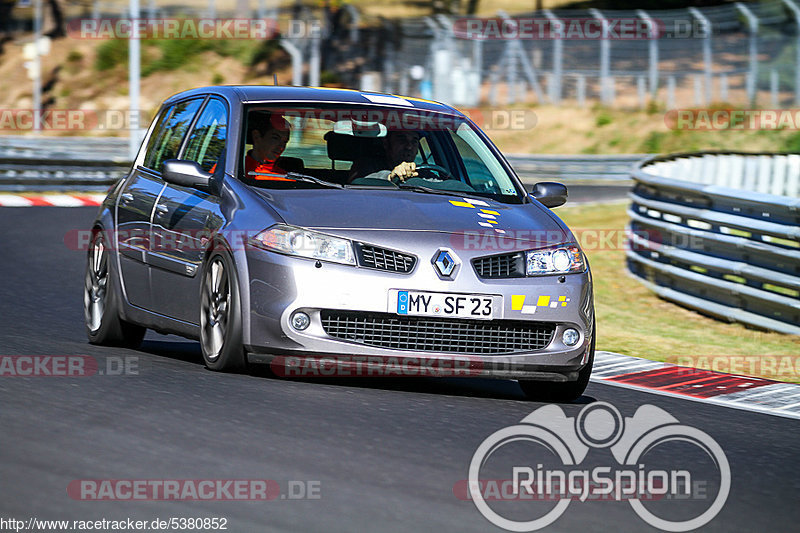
346, 210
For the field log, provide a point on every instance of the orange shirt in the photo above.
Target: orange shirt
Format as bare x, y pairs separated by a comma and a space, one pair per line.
251, 164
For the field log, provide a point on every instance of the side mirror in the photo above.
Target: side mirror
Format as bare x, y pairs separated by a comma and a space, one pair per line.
187, 173
550, 193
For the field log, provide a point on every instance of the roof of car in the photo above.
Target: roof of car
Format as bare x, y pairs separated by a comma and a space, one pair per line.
270, 93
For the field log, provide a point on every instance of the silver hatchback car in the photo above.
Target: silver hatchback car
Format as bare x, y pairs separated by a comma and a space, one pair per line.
344, 233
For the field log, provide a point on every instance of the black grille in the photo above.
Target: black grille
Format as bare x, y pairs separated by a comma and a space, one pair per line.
501, 266
384, 259
424, 334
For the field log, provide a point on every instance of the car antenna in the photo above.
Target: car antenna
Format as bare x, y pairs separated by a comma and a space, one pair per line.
274, 79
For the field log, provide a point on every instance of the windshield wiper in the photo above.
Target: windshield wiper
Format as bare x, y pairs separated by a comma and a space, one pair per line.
311, 179
296, 176
428, 190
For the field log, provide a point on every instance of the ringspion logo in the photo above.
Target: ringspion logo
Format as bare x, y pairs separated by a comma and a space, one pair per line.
549, 457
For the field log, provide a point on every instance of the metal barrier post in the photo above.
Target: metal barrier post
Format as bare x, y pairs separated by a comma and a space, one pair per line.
652, 52
641, 91
555, 91
723, 87
134, 58
516, 51
707, 62
297, 61
671, 92
477, 60
315, 58
581, 89
605, 57
355, 19
698, 91
37, 65
773, 88
752, 76
796, 12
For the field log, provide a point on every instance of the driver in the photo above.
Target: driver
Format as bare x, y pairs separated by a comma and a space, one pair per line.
401, 149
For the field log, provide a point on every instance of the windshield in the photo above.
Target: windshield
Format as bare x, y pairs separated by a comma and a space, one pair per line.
356, 147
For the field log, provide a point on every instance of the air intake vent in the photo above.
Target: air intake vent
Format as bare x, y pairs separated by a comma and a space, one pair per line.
445, 335
500, 266
384, 259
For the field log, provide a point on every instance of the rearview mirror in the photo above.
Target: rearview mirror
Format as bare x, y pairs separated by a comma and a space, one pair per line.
186, 173
550, 193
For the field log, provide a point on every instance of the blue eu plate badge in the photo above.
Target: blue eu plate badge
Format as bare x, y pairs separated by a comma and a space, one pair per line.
402, 302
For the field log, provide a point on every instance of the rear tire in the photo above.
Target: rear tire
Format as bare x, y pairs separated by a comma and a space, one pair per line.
561, 392
221, 315
101, 302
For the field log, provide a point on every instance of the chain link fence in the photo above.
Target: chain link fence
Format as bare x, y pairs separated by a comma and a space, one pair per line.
744, 54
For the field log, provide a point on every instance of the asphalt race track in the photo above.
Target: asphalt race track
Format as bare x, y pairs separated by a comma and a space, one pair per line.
383, 454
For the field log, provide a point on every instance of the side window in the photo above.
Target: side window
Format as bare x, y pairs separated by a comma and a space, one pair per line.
207, 139
158, 131
166, 144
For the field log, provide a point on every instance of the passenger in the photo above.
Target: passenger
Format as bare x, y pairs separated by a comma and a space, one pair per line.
401, 148
269, 134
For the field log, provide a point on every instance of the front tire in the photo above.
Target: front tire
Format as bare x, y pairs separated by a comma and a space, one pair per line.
221, 315
101, 302
560, 392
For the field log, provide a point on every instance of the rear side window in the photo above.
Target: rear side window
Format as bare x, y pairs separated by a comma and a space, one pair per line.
166, 140
207, 140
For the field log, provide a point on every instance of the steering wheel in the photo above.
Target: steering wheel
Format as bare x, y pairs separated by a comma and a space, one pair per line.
443, 173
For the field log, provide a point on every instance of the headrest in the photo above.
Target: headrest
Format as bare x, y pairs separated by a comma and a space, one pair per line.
290, 164
343, 147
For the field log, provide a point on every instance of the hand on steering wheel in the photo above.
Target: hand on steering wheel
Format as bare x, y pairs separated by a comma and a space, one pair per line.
443, 173
403, 171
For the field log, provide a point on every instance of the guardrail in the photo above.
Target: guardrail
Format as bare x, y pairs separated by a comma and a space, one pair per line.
719, 232
27, 174
86, 148
613, 169
94, 163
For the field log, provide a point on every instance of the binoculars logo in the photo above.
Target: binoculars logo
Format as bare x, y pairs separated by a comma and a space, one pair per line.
568, 440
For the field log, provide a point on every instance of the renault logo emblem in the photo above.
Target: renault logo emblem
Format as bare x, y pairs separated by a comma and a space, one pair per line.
445, 263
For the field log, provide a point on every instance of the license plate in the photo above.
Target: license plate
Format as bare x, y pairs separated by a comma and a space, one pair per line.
418, 303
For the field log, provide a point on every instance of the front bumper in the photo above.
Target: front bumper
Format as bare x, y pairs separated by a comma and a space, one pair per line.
281, 285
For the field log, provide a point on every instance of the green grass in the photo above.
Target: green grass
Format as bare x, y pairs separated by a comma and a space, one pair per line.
167, 55
633, 321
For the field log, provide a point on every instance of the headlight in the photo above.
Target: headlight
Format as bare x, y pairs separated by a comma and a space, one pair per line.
304, 243
562, 259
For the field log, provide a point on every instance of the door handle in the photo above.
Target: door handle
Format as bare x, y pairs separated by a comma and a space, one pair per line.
126, 197
161, 209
